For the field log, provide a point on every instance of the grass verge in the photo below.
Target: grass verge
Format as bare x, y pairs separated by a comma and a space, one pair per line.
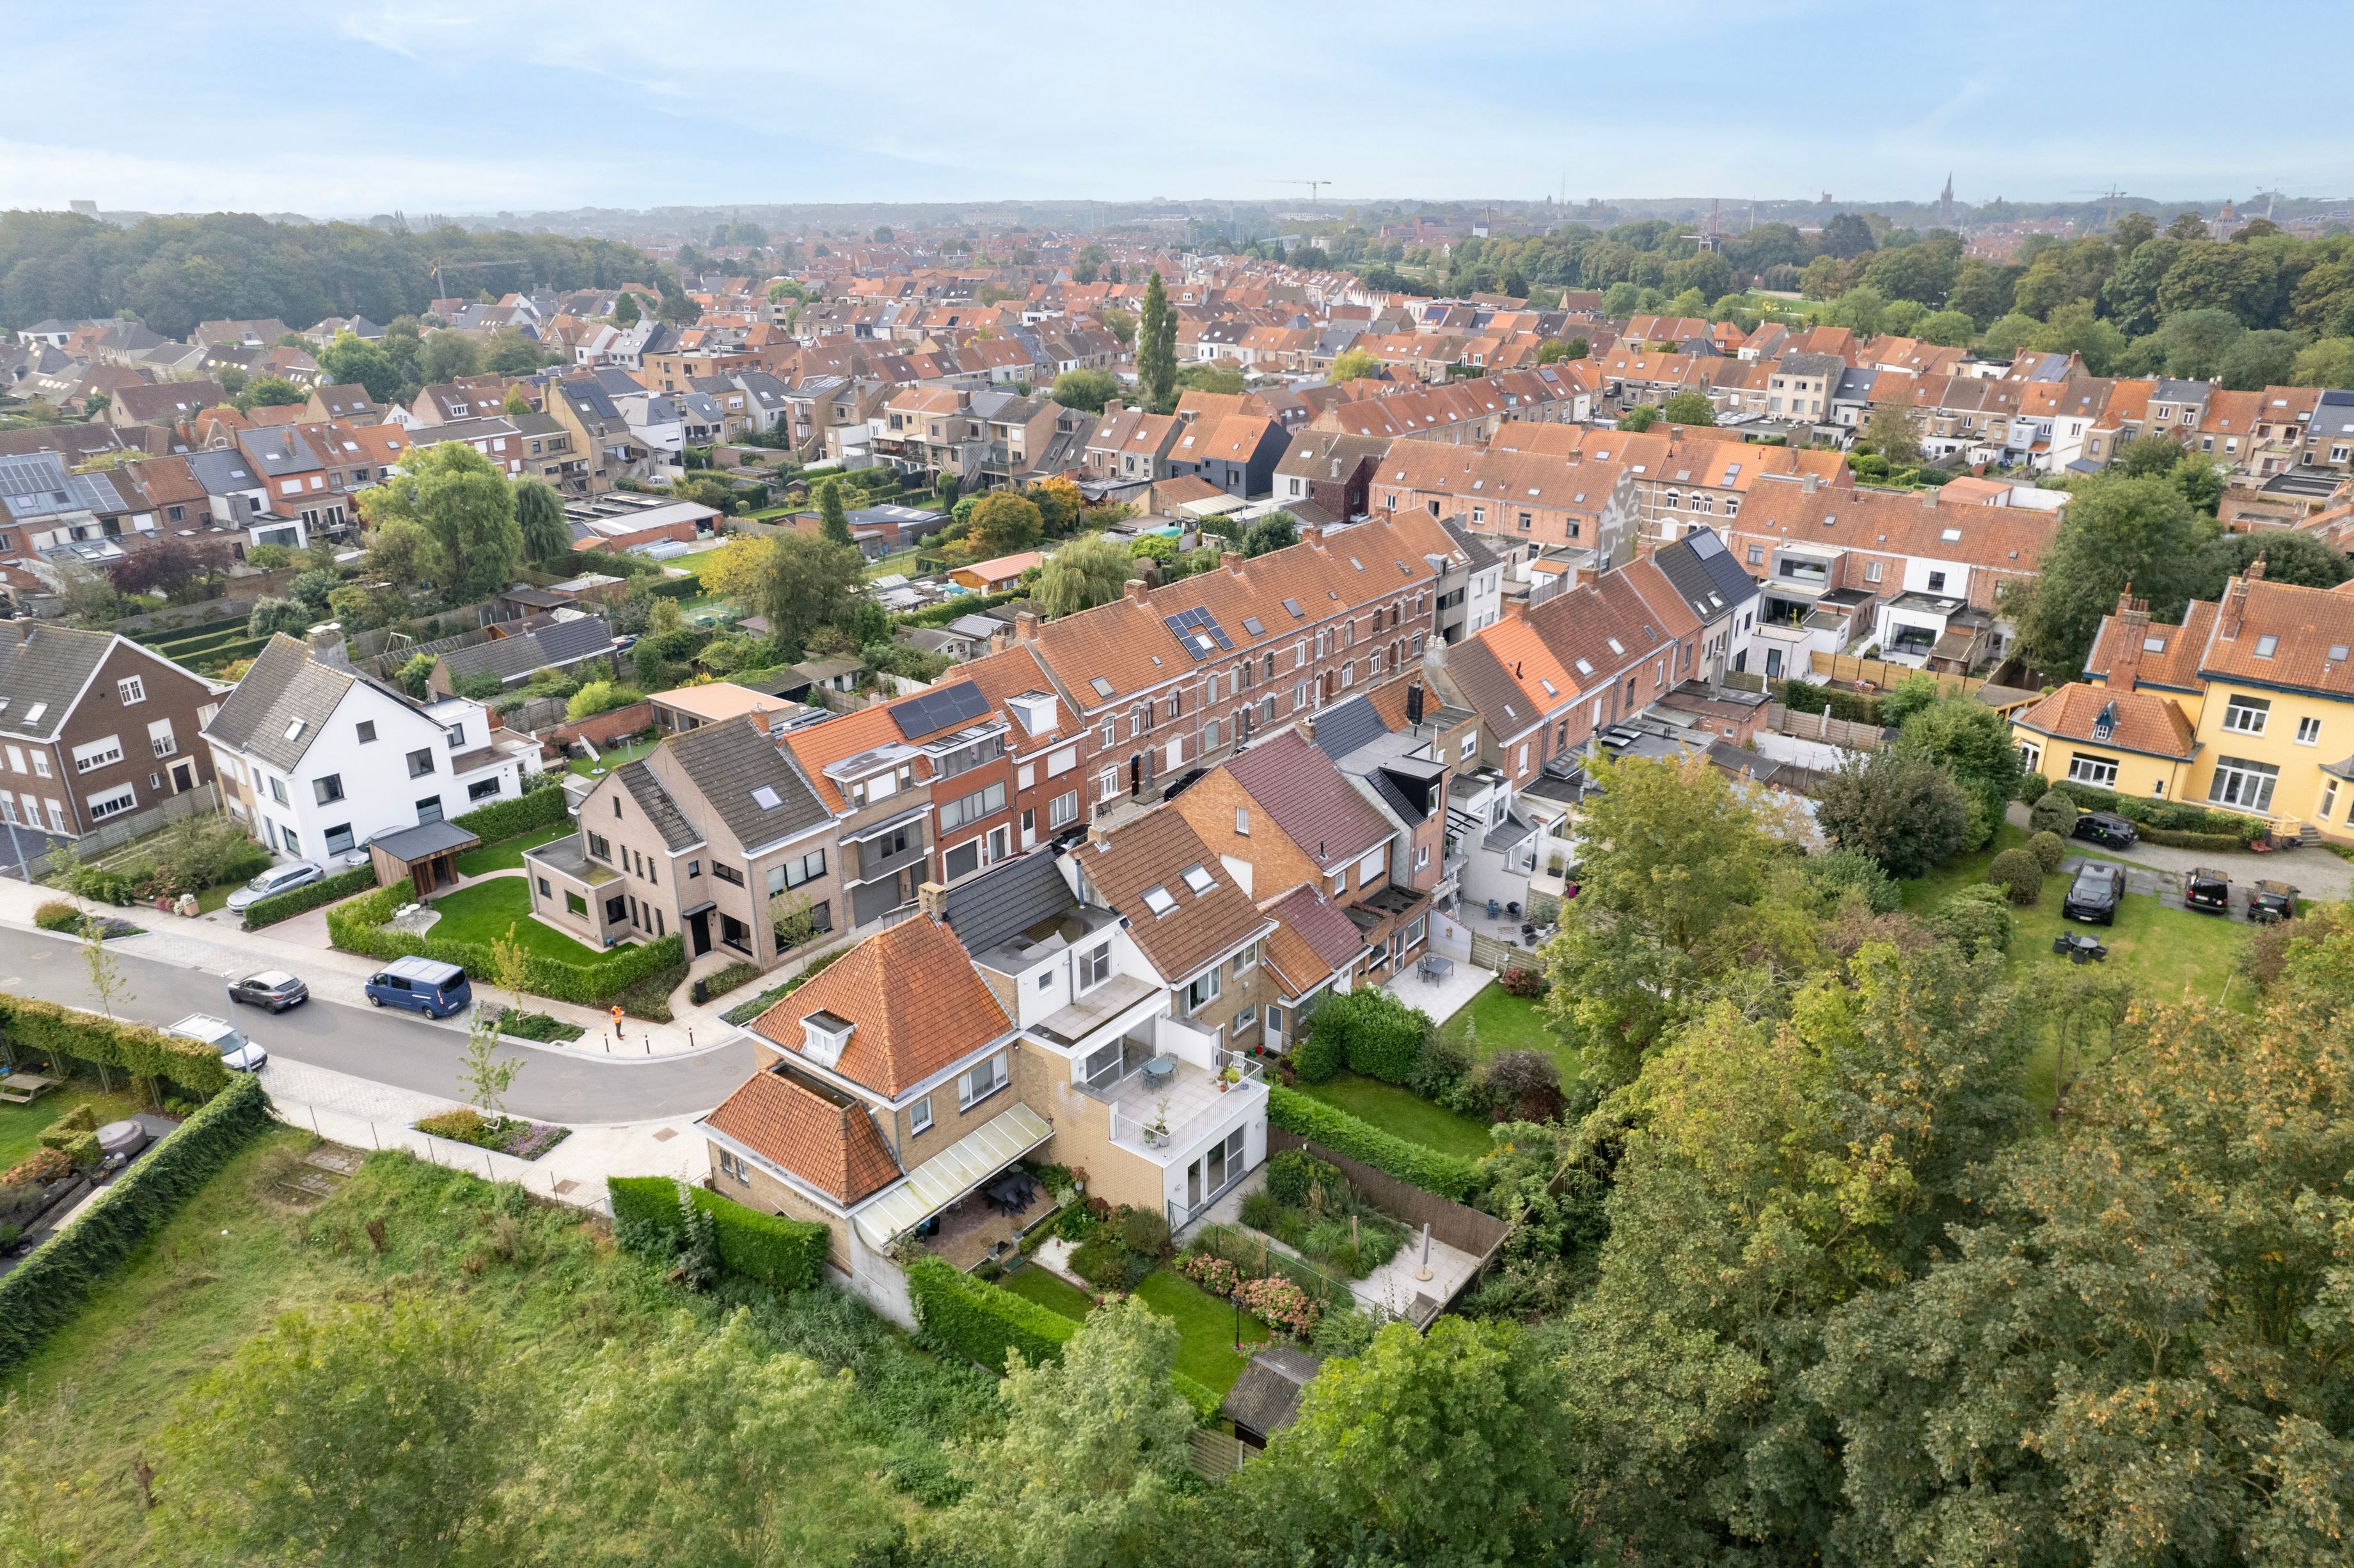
1495, 1023
507, 855
1402, 1114
483, 913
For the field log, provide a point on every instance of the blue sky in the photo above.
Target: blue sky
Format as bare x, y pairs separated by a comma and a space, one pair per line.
349, 107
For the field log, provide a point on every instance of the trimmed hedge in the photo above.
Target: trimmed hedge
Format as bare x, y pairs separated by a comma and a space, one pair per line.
788, 1255
358, 926
1449, 1175
541, 805
1379, 1036
310, 895
688, 587
91, 1037
46, 1289
2225, 843
980, 1322
2169, 816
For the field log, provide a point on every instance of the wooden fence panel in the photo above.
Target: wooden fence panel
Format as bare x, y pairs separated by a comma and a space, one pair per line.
1217, 1455
1490, 953
1879, 672
1823, 727
1464, 1229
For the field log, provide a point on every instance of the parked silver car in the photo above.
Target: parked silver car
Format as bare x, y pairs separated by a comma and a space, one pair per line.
276, 880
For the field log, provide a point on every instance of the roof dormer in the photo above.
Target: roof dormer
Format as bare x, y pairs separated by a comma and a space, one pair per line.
823, 1035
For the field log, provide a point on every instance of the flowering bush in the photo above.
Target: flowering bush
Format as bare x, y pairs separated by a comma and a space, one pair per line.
1215, 1274
1281, 1305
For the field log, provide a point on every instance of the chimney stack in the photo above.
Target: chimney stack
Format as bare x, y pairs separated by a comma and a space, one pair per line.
1232, 560
2133, 626
1808, 484
1929, 497
1134, 588
1026, 626
1113, 407
932, 898
1313, 535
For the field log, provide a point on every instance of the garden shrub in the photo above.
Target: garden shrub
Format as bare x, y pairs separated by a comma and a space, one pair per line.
48, 1287
358, 926
463, 1125
1835, 869
2222, 843
1975, 919
786, 1253
2048, 851
2171, 816
975, 1319
310, 895
1102, 1262
83, 1117
2019, 874
58, 916
2033, 787
1293, 1173
1523, 1085
1449, 1175
1144, 1231
43, 1164
1380, 1036
1320, 1057
2055, 812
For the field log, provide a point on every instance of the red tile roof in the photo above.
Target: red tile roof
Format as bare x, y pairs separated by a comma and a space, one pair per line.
915, 1005
834, 1146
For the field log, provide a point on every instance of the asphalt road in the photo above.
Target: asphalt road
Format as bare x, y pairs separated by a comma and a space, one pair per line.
390, 1047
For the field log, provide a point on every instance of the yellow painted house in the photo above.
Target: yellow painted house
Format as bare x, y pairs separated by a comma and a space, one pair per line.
2247, 706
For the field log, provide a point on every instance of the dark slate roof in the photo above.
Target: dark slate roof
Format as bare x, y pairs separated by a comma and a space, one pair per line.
1478, 554
44, 665
413, 844
1488, 688
558, 643
728, 762
1700, 565
1266, 1397
1341, 730
991, 909
1381, 784
1298, 787
638, 780
285, 684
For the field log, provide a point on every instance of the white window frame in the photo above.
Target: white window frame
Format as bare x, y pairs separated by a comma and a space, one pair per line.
2101, 772
113, 803
919, 1118
130, 691
970, 1092
93, 755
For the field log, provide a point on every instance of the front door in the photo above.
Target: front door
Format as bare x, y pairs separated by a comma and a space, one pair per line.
698, 931
184, 778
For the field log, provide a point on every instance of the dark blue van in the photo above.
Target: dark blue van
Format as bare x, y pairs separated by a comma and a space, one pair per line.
421, 985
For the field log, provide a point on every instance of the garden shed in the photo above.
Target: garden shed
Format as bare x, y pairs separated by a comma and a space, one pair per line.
424, 856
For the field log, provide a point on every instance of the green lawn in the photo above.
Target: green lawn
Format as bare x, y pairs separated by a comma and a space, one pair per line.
1495, 1022
21, 1126
898, 561
507, 855
610, 757
1205, 1323
2169, 954
1404, 1113
484, 912
1050, 1290
1205, 1352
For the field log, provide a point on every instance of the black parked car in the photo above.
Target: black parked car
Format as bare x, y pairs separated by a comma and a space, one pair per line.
2208, 890
2106, 828
274, 989
2270, 901
2093, 896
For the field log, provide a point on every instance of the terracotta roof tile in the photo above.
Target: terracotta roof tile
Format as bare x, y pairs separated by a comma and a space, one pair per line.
2143, 721
1155, 851
1319, 810
915, 1005
834, 1146
1313, 938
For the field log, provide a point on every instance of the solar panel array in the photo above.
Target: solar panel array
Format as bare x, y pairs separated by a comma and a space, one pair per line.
929, 712
1199, 632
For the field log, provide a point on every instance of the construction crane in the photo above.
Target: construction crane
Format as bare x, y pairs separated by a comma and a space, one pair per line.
1313, 186
2109, 195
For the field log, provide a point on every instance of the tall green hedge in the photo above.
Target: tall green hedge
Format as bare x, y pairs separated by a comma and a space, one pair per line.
358, 926
310, 895
1376, 1034
541, 805
980, 1322
44, 1291
787, 1254
2167, 816
135, 1048
1449, 1175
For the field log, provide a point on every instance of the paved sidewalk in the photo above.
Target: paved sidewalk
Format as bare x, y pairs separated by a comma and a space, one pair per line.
368, 1115
2317, 874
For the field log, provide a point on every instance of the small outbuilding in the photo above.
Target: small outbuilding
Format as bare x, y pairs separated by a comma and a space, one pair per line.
426, 856
1266, 1398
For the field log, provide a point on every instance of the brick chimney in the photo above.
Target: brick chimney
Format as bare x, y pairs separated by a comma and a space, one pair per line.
1026, 626
1232, 560
1808, 484
2235, 603
1113, 406
1134, 588
1312, 537
932, 898
2133, 626
1929, 497
1516, 608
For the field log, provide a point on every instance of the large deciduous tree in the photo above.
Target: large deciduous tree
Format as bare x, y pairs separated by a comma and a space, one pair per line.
1901, 809
2116, 532
805, 582
465, 506
1156, 347
539, 514
1088, 571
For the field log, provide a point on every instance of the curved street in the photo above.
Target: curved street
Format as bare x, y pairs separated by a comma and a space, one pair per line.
395, 1048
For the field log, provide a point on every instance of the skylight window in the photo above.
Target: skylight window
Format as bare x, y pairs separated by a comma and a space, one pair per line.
293, 729
1616, 646
766, 798
1951, 535
2267, 645
1102, 687
1199, 879
2337, 653
2153, 644
1158, 900
1550, 689
1583, 668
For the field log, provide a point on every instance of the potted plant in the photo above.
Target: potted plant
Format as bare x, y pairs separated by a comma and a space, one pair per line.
1156, 1134
1228, 1077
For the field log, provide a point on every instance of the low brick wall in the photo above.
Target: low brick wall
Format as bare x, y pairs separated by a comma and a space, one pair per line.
602, 730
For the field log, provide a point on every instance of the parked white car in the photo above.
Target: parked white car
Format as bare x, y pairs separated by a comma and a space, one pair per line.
238, 1053
277, 879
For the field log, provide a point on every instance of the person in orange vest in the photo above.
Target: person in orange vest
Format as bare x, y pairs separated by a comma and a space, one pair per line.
617, 1021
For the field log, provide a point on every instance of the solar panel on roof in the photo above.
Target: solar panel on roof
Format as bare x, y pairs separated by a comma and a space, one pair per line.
929, 712
1198, 631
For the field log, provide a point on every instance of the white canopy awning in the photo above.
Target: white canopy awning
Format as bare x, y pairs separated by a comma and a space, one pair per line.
951, 1173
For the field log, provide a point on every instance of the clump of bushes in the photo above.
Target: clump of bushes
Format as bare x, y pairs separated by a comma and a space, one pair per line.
56, 914
2048, 851
501, 1134
2019, 874
2054, 812
2032, 788
1310, 1207
1370, 1031
1975, 919
1117, 1247
1529, 984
